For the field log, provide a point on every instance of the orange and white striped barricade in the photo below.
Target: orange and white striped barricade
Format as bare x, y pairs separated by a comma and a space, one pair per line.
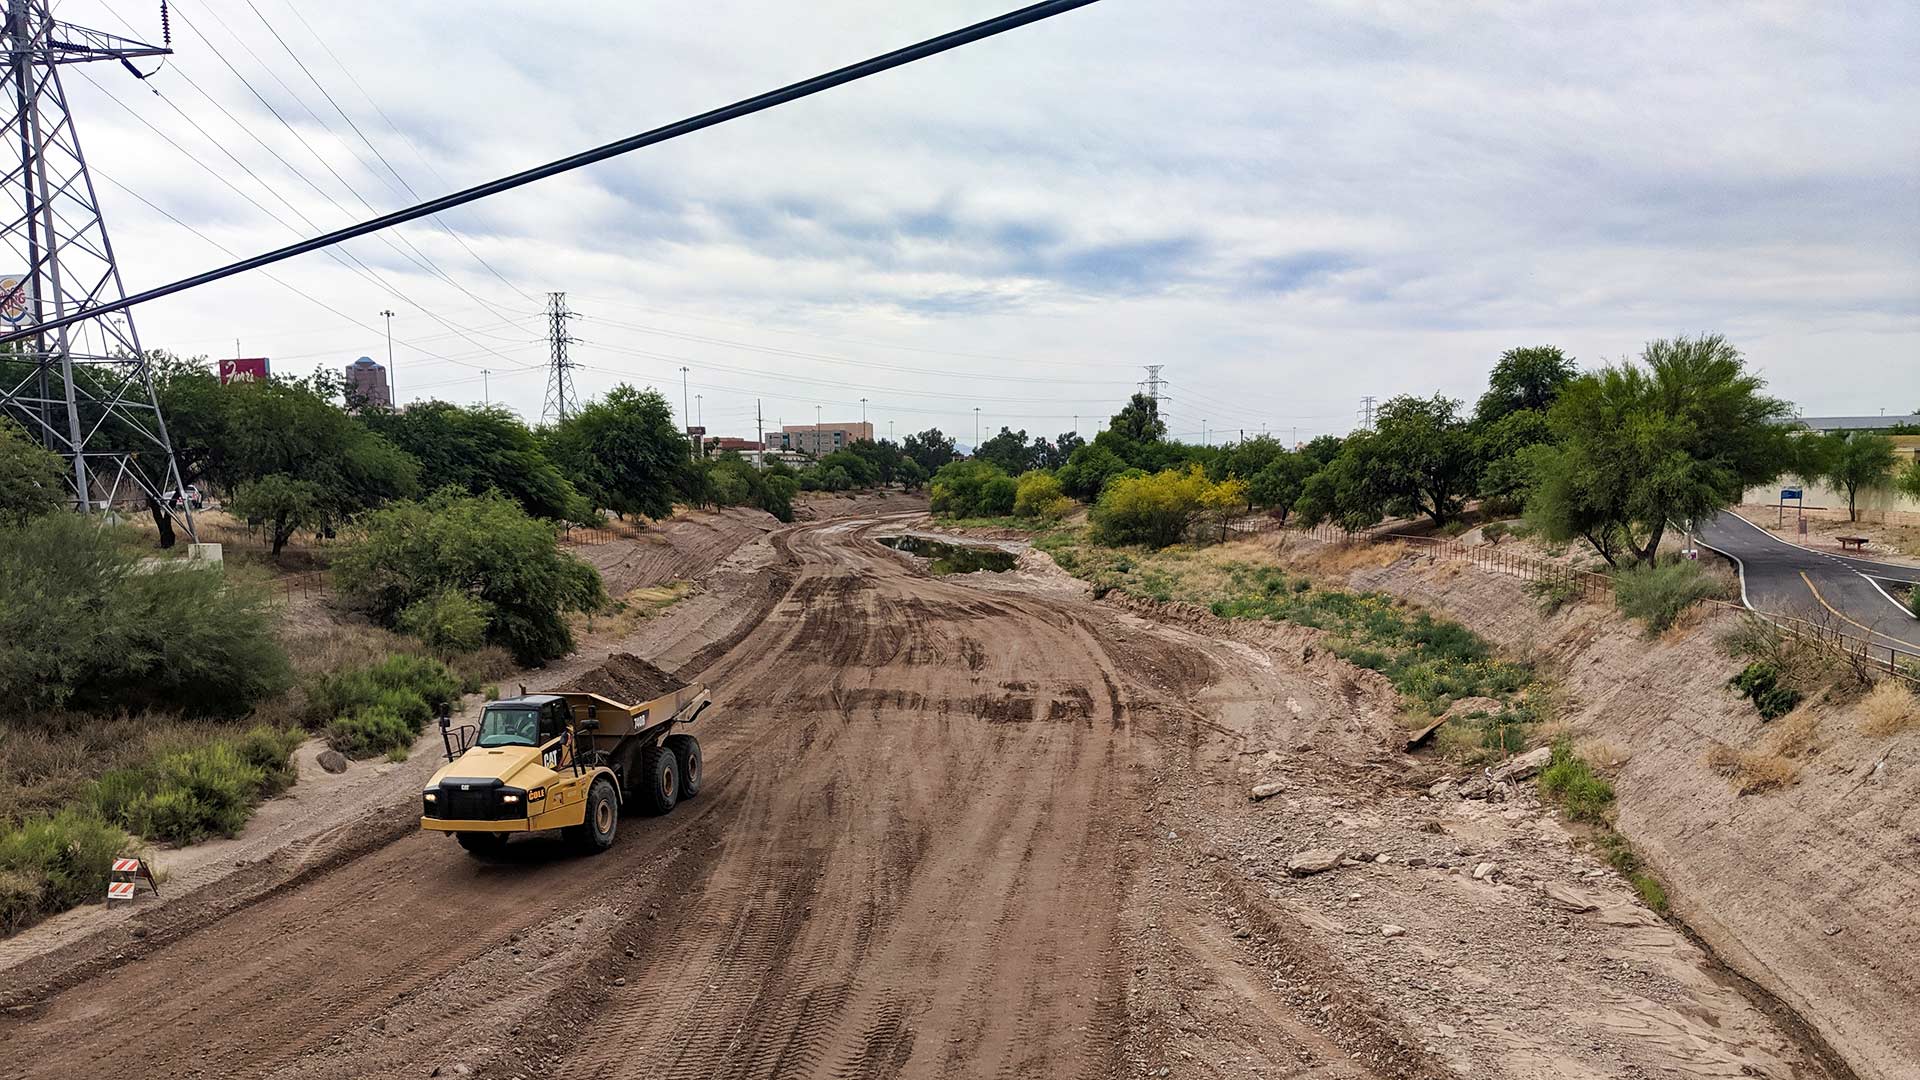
125, 877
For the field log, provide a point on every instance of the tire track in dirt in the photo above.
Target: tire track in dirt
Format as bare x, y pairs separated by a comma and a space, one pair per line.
907, 862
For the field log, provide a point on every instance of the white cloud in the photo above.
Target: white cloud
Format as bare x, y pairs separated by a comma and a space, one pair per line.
1288, 206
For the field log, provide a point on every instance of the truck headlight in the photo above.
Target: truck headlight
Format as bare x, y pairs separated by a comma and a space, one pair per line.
509, 798
431, 796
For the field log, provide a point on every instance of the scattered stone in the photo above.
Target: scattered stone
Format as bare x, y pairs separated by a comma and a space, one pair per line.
1392, 931
1485, 871
1442, 789
1312, 861
1417, 861
1567, 899
458, 1068
138, 932
621, 981
333, 761
1525, 765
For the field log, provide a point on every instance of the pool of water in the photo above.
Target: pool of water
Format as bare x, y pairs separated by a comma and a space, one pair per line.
951, 558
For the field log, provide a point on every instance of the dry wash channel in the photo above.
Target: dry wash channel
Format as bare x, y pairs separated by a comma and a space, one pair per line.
932, 843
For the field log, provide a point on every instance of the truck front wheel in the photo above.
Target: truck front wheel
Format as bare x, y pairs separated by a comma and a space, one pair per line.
482, 845
595, 834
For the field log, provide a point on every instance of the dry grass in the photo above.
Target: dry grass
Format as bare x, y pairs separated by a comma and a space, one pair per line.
1775, 763
48, 763
1607, 755
1888, 709
636, 607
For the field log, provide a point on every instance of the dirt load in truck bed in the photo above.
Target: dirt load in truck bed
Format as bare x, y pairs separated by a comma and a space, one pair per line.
626, 678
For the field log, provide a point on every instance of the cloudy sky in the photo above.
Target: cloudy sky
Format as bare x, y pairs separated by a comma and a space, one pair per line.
1290, 206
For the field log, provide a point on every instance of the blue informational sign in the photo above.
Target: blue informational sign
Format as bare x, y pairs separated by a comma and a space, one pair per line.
1789, 493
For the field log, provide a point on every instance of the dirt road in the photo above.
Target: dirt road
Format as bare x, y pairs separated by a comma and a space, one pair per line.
928, 846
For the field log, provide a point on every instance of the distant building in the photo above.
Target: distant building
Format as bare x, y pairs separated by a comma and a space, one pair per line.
1826, 424
822, 439
367, 382
720, 444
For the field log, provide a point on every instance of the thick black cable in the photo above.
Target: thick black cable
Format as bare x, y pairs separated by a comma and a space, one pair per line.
758, 103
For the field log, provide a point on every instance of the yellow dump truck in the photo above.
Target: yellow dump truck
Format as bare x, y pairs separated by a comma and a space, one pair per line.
563, 760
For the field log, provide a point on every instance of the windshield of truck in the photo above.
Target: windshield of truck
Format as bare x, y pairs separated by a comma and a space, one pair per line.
509, 727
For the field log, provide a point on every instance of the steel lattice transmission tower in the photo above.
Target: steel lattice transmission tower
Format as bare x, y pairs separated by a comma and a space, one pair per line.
84, 391
1153, 380
561, 401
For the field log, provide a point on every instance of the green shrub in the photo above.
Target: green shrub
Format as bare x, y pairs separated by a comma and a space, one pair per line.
1493, 531
1159, 509
483, 547
1573, 784
50, 864
83, 625
1760, 682
422, 678
371, 730
1656, 595
449, 621
270, 750
1037, 495
973, 488
195, 793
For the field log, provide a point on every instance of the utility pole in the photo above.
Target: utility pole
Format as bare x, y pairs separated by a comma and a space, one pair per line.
760, 431
699, 409
976, 427
486, 391
393, 384
686, 414
889, 431
561, 401
863, 412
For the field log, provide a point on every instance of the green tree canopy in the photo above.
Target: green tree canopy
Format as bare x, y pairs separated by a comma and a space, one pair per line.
624, 453
930, 449
1010, 452
1158, 509
328, 466
1139, 421
1526, 378
1418, 459
1088, 469
33, 480
1279, 484
1639, 447
1850, 462
480, 448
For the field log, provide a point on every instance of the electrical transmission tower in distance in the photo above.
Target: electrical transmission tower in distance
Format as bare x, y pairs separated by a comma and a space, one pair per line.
561, 401
84, 390
1153, 381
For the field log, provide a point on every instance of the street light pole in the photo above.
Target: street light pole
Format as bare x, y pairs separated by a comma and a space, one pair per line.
486, 389
393, 385
976, 429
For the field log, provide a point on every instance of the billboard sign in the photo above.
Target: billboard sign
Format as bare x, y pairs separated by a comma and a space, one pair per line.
696, 430
16, 299
1789, 493
243, 369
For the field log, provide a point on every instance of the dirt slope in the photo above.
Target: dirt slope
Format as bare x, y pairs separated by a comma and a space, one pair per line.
1810, 891
947, 830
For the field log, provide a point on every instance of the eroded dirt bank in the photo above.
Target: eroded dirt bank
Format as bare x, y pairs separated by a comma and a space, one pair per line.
975, 826
1811, 890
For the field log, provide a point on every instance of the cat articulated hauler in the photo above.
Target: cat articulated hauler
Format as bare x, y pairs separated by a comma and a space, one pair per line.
563, 760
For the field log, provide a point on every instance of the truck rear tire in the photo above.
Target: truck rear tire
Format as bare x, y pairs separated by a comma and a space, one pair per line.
596, 833
482, 845
686, 754
659, 778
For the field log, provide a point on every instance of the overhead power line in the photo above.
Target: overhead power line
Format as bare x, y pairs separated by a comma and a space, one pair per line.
746, 107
